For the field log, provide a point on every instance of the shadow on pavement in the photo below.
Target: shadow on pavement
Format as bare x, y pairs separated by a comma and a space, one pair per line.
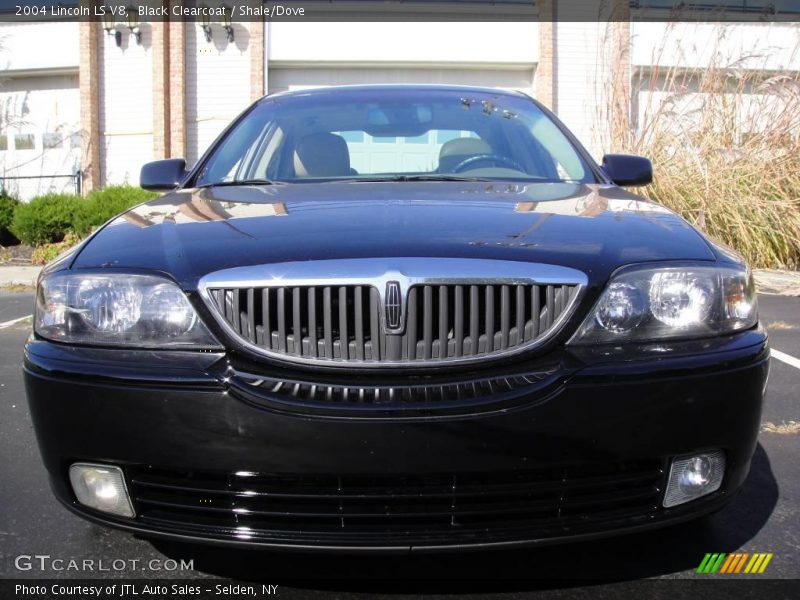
629, 557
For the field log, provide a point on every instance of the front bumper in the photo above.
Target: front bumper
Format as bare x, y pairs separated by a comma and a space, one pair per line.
585, 454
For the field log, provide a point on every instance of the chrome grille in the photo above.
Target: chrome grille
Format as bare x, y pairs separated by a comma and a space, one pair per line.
393, 317
343, 323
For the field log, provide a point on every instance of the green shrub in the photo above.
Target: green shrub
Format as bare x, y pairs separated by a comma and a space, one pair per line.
45, 219
7, 207
101, 205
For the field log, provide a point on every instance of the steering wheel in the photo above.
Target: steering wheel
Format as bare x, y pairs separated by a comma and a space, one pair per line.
496, 158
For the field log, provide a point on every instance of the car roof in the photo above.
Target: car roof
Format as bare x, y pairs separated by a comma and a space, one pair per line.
404, 87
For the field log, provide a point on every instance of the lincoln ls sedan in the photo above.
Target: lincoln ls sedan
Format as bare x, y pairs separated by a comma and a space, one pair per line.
395, 318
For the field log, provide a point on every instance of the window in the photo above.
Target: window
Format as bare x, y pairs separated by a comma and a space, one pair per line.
420, 139
445, 136
3, 141
385, 133
24, 141
52, 139
352, 137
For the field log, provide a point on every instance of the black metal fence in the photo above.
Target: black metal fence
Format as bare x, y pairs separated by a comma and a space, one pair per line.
76, 179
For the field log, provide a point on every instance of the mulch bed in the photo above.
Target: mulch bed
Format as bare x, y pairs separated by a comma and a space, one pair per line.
17, 255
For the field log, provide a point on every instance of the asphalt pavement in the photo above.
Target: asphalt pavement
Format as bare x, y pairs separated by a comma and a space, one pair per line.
764, 517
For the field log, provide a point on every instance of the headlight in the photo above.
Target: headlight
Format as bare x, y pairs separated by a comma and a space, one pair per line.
646, 304
141, 311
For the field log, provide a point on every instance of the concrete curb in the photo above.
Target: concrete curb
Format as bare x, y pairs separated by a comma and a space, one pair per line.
18, 275
777, 282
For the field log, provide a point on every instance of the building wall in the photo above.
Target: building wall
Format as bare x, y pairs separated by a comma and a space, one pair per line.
762, 46
39, 107
39, 133
666, 58
38, 45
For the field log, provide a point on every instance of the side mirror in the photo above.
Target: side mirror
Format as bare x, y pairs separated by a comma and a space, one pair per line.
163, 175
628, 170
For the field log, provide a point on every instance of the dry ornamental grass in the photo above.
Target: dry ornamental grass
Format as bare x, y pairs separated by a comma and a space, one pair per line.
725, 146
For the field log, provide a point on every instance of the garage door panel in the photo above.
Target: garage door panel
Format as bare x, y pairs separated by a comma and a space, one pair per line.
283, 79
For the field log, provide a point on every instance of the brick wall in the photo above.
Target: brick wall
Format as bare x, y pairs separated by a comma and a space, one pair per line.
88, 82
257, 61
161, 90
545, 68
177, 88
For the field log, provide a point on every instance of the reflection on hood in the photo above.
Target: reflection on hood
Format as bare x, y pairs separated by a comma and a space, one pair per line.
200, 210
592, 228
590, 204
192, 206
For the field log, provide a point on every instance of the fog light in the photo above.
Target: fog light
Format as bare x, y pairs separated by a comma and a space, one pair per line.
694, 476
101, 487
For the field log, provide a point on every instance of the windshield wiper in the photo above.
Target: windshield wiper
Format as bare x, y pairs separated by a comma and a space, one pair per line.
431, 177
241, 182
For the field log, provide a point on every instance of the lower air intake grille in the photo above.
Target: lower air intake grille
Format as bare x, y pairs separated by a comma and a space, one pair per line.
262, 505
425, 394
409, 396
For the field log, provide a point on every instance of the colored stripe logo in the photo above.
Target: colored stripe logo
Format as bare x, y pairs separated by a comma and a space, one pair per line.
737, 562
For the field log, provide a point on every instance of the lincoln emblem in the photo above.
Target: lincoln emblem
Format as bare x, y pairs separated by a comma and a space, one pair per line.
393, 305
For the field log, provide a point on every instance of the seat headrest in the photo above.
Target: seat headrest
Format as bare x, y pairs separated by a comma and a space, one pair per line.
321, 155
456, 151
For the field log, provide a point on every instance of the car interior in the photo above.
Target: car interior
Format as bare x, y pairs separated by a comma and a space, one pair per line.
326, 154
322, 154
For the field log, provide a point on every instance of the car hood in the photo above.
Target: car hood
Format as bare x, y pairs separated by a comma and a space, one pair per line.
192, 232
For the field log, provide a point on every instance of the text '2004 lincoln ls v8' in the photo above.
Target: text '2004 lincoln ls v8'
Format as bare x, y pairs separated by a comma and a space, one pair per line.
393, 318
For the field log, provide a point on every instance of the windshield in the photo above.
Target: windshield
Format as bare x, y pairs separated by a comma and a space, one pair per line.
397, 135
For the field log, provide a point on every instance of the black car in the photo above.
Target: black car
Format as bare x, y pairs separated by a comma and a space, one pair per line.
396, 318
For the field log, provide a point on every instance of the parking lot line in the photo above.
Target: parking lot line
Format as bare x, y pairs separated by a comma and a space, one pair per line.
783, 357
13, 321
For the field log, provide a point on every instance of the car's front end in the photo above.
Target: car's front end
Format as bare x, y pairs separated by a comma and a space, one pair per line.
396, 365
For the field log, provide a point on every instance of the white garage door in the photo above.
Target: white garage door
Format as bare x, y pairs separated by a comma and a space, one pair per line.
217, 84
281, 79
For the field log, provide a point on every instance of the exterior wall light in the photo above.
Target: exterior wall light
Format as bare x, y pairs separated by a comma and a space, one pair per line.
110, 27
226, 22
132, 22
205, 24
